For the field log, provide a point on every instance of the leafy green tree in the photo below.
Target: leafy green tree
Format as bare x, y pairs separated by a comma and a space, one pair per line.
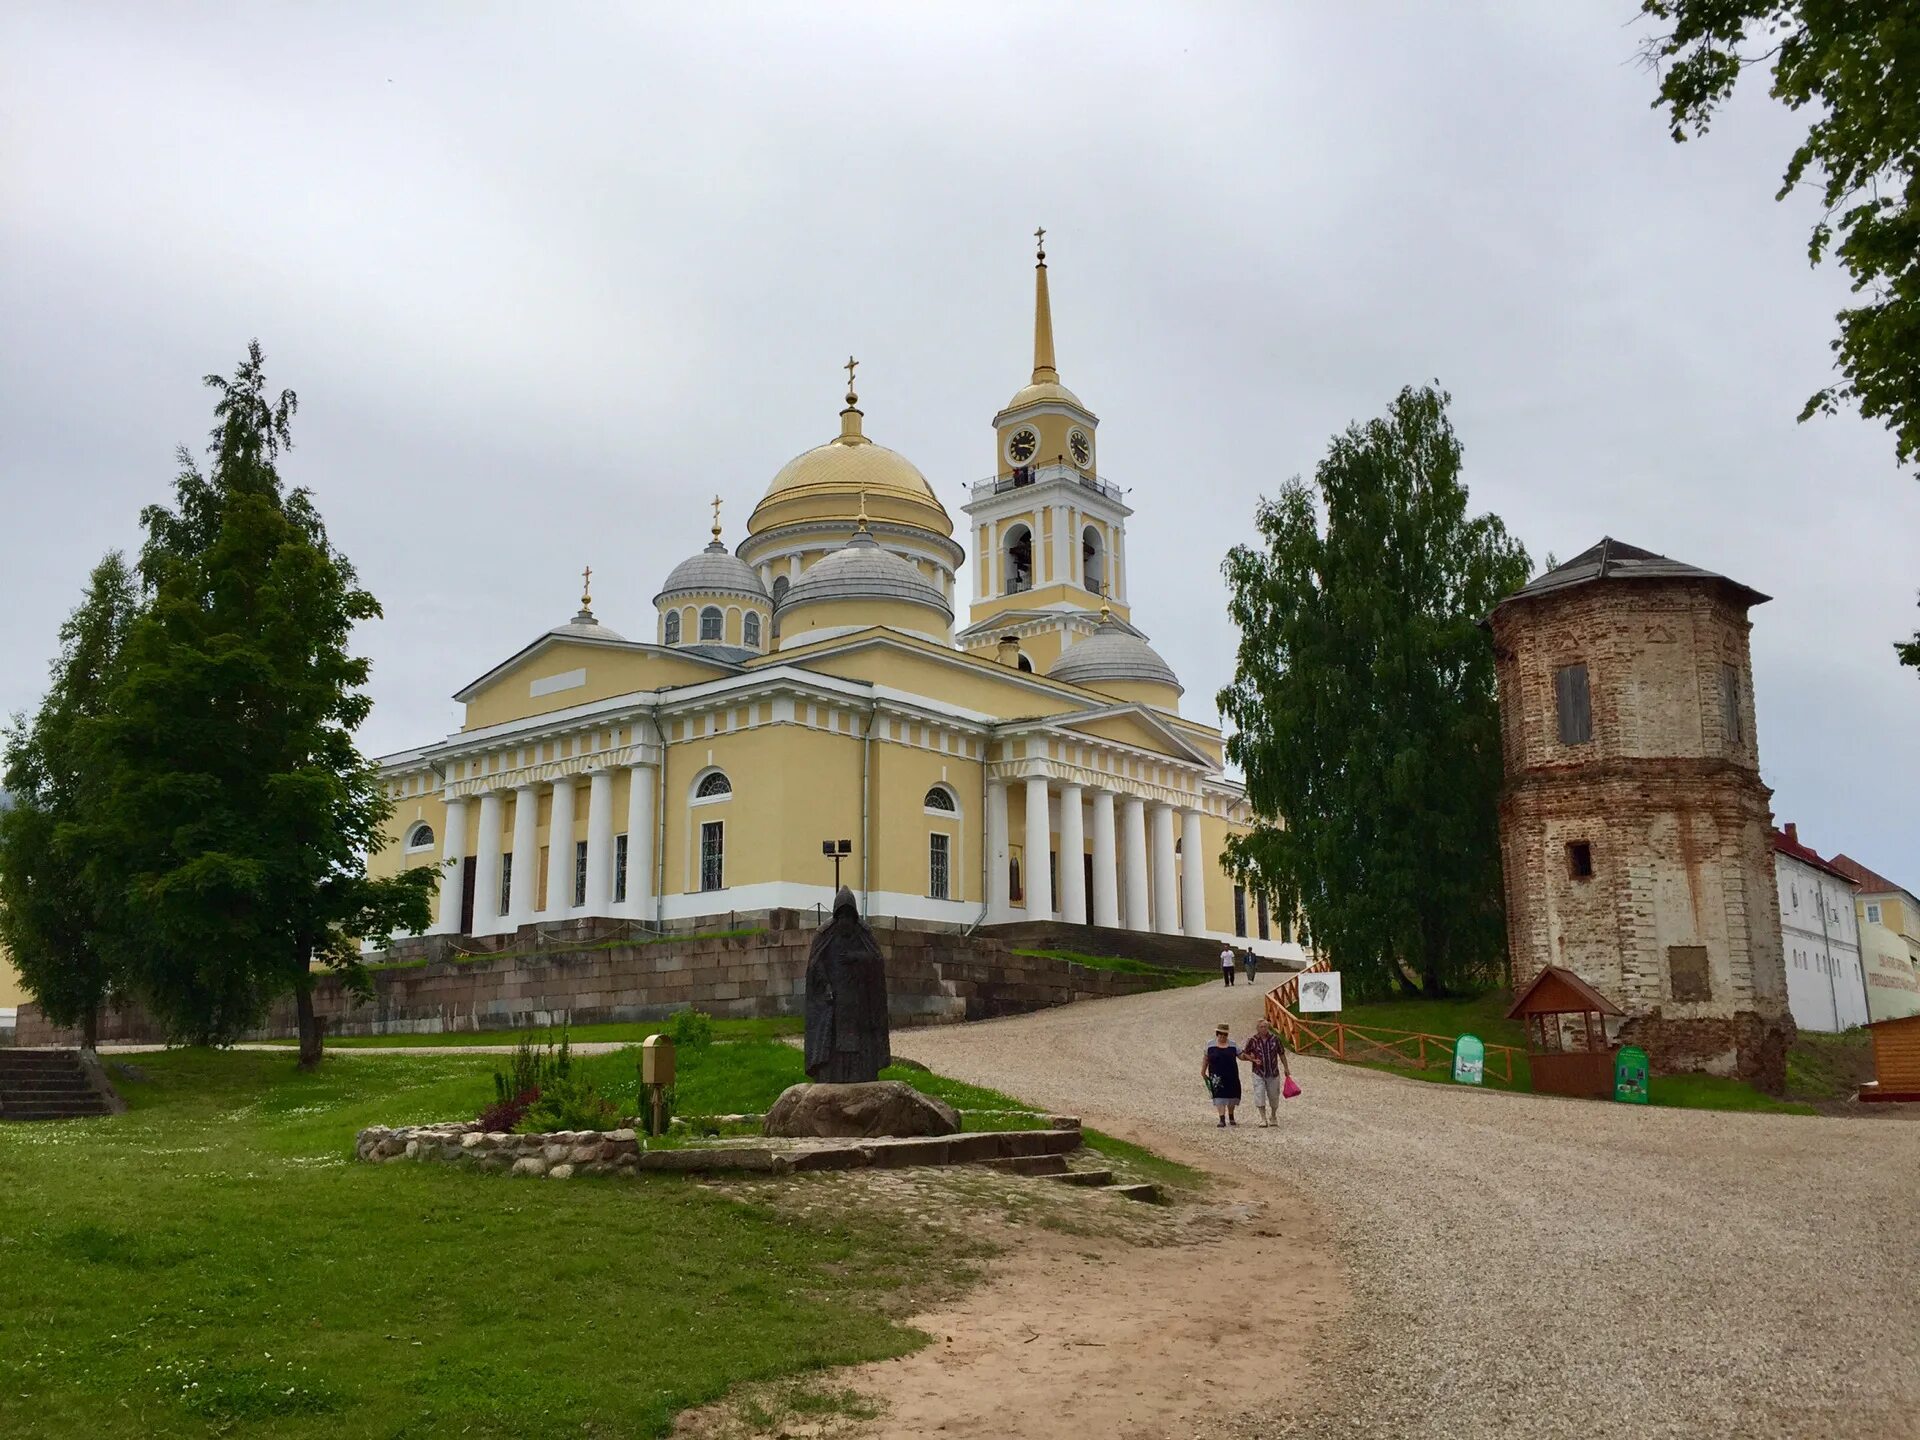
1363, 707
242, 812
61, 939
1855, 64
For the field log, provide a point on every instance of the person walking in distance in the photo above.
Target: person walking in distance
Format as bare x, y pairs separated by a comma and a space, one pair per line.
1227, 964
1220, 1069
1253, 965
1266, 1053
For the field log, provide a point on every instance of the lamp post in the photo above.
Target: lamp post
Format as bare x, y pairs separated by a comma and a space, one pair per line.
836, 851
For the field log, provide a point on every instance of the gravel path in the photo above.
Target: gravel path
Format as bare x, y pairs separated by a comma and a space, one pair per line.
1529, 1266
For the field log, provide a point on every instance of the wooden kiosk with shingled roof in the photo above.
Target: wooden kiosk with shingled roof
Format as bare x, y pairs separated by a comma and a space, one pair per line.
1584, 1069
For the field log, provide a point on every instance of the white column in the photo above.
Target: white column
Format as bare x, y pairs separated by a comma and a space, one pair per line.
560, 852
522, 885
1073, 850
1106, 879
1039, 845
600, 844
1133, 842
1194, 864
452, 870
1119, 563
640, 841
486, 867
1166, 889
999, 902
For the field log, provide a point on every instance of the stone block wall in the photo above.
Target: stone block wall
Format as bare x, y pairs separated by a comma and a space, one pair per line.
933, 977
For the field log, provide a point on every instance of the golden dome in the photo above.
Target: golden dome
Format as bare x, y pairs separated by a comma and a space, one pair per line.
1040, 391
833, 477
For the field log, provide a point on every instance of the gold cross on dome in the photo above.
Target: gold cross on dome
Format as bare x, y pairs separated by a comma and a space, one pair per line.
586, 588
716, 517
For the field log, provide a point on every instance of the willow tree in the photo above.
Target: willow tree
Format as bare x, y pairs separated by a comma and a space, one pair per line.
1362, 705
241, 811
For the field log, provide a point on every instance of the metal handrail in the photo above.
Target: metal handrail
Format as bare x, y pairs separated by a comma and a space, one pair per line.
1039, 474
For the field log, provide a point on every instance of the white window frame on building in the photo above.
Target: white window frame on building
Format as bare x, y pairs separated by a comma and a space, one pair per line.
672, 630
713, 625
579, 872
620, 868
713, 855
939, 865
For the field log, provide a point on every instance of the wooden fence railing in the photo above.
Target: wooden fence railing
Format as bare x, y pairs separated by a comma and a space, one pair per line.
1338, 1040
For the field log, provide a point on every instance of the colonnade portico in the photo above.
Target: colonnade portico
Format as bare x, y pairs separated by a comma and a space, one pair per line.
1136, 879
517, 868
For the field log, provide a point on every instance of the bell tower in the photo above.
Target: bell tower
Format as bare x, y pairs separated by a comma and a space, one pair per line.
1049, 531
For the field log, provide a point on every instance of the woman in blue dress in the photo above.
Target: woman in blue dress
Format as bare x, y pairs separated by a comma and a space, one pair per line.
1221, 1072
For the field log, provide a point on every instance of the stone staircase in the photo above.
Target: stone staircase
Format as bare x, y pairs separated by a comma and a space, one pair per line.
49, 1085
1056, 1169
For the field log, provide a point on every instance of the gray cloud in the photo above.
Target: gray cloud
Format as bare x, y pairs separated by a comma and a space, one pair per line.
546, 280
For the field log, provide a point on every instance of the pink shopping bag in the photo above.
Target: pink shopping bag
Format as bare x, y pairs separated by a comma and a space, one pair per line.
1291, 1088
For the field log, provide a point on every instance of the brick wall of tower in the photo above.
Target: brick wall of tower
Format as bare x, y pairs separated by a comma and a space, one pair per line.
1669, 798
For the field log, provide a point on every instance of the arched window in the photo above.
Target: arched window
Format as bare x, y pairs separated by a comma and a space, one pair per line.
1019, 560
781, 585
941, 798
713, 785
1093, 561
1026, 664
673, 627
750, 631
712, 623
420, 837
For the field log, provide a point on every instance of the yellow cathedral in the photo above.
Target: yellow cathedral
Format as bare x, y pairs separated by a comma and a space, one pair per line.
809, 687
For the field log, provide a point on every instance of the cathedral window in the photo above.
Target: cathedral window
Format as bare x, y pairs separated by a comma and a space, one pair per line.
750, 631
1026, 664
711, 623
1573, 704
1093, 567
420, 837
579, 872
939, 868
673, 627
1580, 859
780, 587
1019, 566
506, 882
713, 850
1730, 704
619, 869
941, 798
713, 786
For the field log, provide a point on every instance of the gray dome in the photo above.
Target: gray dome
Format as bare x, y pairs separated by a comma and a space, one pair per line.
861, 570
716, 570
584, 626
1113, 652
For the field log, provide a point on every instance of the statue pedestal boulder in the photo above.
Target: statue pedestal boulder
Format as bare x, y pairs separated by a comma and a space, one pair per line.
860, 1111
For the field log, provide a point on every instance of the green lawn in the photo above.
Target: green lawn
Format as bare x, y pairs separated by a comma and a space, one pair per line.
1829, 1067
1165, 977
618, 1032
213, 1262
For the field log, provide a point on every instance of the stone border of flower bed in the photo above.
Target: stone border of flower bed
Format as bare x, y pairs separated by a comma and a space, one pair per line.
562, 1154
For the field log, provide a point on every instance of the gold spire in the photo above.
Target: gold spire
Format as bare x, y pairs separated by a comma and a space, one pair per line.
850, 417
716, 517
1043, 368
586, 590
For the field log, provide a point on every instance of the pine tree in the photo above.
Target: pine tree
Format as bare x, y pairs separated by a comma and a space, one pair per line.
1363, 705
242, 811
62, 940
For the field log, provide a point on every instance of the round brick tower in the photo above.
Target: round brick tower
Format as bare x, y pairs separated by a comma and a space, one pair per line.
1633, 822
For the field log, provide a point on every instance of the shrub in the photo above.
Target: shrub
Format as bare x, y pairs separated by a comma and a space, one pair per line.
690, 1030
507, 1113
570, 1102
534, 1067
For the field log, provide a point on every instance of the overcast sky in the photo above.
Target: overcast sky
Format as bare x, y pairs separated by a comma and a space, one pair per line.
547, 278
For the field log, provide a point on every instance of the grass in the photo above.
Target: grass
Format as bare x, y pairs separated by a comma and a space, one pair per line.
1166, 977
212, 1262
1717, 1092
1829, 1068
634, 942
616, 1032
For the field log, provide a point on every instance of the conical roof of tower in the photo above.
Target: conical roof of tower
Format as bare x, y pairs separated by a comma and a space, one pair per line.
1613, 560
1115, 651
1045, 384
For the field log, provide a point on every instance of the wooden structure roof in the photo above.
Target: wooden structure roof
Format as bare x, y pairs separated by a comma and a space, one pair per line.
1555, 991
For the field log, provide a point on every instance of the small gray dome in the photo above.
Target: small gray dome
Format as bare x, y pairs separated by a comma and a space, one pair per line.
584, 626
861, 570
1113, 652
716, 570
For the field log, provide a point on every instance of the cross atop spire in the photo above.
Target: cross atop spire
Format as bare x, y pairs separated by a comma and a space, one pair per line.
851, 365
1040, 243
716, 517
586, 588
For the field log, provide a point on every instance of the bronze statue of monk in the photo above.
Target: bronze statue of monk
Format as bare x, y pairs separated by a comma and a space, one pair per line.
847, 1035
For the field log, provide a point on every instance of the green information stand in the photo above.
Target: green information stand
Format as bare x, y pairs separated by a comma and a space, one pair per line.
1469, 1060
1630, 1075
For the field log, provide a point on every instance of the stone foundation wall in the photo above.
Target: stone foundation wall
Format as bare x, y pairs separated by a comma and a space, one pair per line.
1746, 1046
933, 977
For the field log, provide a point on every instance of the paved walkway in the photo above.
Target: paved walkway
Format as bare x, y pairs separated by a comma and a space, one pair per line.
1526, 1266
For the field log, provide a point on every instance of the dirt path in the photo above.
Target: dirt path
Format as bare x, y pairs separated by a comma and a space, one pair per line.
1524, 1265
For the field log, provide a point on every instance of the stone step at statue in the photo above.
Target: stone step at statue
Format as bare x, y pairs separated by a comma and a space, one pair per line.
1081, 1177
1146, 1194
1030, 1164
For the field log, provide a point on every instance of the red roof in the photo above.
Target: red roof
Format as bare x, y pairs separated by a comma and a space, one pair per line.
1787, 842
1557, 991
1870, 881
